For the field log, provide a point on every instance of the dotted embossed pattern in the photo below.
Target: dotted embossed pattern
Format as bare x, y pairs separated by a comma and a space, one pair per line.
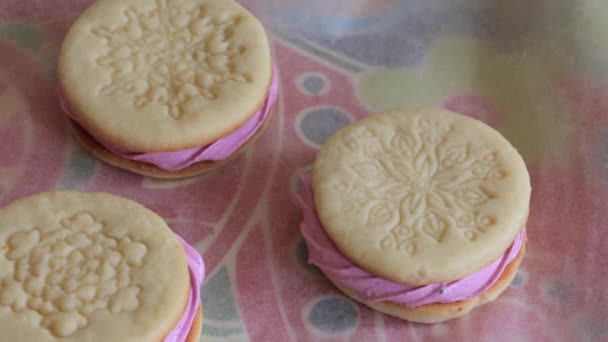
418, 183
67, 272
169, 55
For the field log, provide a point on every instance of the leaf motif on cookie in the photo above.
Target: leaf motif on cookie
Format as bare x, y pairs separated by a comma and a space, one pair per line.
169, 55
381, 213
66, 272
369, 171
351, 146
472, 196
455, 155
406, 144
434, 226
430, 179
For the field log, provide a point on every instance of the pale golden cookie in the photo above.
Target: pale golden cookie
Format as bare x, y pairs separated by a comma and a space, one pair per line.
88, 267
421, 196
164, 75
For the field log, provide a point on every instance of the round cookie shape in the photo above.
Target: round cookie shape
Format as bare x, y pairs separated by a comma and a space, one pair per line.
88, 267
421, 196
164, 75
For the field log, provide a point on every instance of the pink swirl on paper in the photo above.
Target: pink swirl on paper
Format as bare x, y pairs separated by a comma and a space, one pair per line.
324, 254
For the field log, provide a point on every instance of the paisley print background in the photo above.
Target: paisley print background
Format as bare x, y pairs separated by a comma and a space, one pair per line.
536, 71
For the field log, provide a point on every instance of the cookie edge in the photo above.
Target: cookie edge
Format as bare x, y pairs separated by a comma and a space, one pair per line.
197, 326
441, 312
150, 170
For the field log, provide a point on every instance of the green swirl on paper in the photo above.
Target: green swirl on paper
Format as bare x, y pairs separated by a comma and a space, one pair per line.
584, 39
221, 317
23, 34
521, 86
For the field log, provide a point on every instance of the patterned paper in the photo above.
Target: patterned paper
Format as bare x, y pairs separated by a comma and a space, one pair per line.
534, 70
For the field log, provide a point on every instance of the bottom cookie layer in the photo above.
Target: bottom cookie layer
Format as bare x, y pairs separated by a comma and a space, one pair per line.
195, 332
151, 170
440, 312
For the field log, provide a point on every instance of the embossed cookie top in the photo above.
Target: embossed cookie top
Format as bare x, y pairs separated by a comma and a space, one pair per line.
88, 267
421, 196
162, 75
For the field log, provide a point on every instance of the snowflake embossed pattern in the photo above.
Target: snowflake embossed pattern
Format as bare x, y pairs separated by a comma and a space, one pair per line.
419, 184
69, 272
170, 55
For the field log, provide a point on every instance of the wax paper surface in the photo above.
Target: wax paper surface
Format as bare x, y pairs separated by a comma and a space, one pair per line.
535, 70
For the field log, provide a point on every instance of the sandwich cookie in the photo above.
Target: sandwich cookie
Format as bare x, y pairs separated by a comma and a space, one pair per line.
417, 213
168, 89
86, 267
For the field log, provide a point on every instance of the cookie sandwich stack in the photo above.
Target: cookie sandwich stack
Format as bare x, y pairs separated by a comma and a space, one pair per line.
168, 89
418, 213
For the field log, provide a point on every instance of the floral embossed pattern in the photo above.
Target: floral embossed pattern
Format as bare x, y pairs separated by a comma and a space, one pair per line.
418, 183
69, 272
170, 55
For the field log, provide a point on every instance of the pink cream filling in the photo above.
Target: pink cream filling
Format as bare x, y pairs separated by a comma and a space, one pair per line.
197, 275
219, 150
324, 254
